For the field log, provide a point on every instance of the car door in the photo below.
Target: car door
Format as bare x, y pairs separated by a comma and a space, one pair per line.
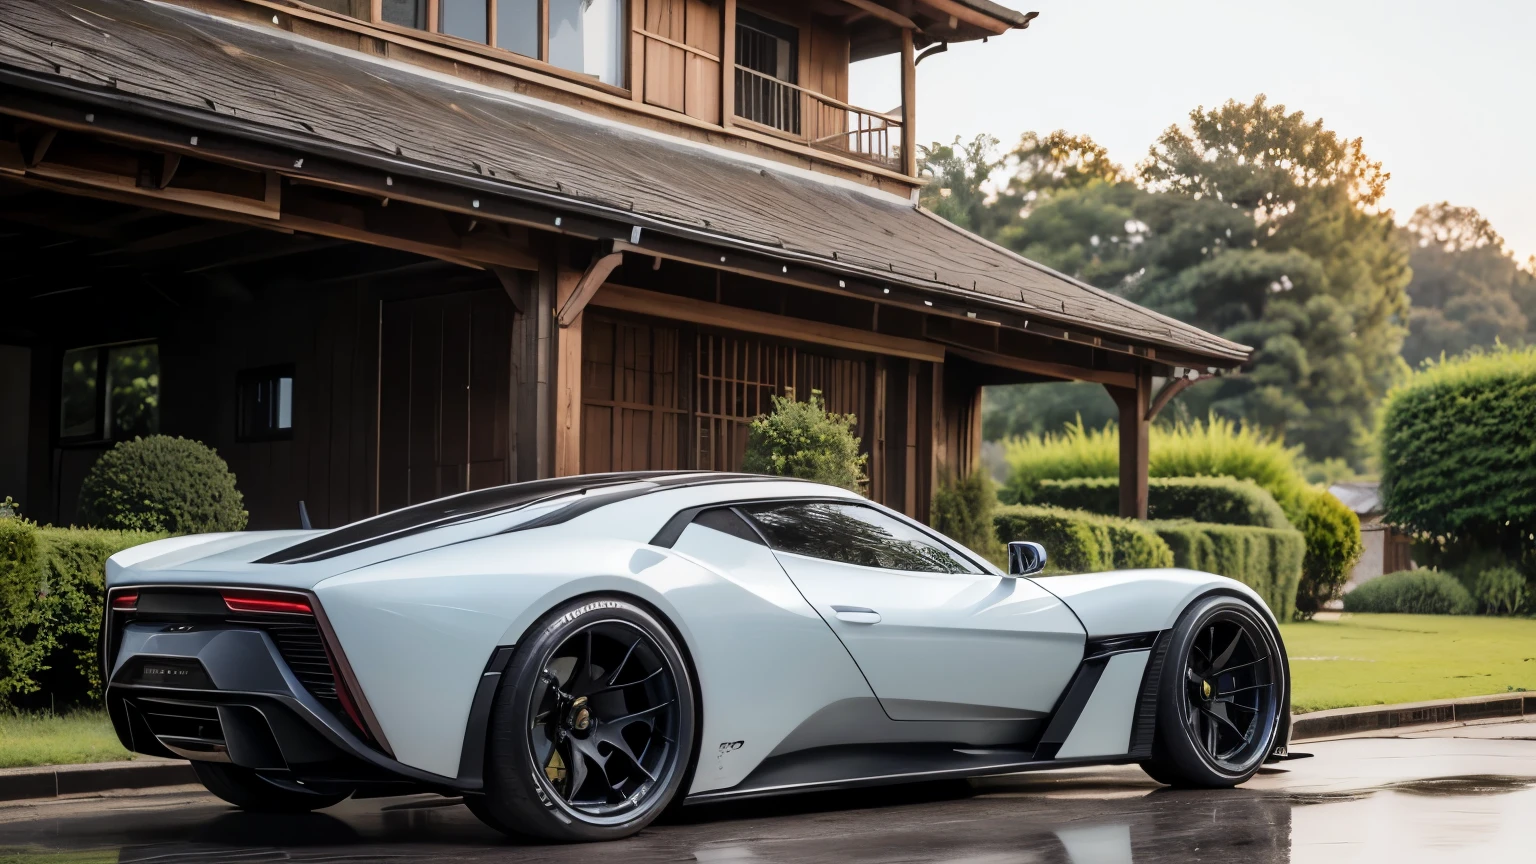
937, 636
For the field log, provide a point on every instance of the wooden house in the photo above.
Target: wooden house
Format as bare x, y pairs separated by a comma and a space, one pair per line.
380, 251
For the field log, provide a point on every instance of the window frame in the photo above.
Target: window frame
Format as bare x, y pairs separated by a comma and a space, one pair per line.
264, 373
674, 527
490, 50
102, 432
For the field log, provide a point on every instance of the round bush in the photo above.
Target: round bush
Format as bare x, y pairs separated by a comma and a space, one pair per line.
1501, 590
164, 484
1415, 592
800, 439
1333, 547
964, 510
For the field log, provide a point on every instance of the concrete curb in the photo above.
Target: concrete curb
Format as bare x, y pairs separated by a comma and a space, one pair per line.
51, 781
1343, 722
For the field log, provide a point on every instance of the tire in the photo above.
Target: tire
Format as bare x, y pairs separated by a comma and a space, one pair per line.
1220, 698
601, 684
250, 791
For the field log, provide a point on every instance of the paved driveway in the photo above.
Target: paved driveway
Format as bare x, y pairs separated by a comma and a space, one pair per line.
1464, 794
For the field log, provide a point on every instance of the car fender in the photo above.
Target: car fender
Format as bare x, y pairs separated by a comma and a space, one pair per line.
1141, 601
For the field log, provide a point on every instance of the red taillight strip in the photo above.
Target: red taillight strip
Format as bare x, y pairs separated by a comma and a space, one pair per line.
256, 603
125, 601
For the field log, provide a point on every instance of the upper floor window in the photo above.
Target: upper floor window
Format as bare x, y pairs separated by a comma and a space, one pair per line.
584, 36
855, 534
767, 72
109, 393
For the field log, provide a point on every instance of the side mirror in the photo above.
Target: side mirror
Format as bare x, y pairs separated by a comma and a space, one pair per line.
1025, 558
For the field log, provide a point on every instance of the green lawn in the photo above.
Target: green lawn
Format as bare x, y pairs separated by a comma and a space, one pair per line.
1387, 659
51, 739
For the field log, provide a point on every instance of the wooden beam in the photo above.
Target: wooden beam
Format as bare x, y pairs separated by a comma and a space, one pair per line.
636, 74
1165, 395
35, 146
637, 300
889, 16
597, 273
568, 377
728, 64
511, 283
1135, 430
908, 105
958, 12
1059, 371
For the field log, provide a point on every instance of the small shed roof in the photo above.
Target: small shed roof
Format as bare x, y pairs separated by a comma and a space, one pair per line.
266, 81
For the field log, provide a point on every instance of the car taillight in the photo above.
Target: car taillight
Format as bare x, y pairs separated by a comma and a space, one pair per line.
125, 601
269, 604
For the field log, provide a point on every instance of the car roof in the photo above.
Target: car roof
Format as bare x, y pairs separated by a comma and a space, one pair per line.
479, 503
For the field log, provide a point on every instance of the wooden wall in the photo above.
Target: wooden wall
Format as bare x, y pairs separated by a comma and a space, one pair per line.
682, 67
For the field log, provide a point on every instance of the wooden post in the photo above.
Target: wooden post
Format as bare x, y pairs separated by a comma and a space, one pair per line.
533, 332
636, 50
1135, 427
908, 105
728, 63
567, 380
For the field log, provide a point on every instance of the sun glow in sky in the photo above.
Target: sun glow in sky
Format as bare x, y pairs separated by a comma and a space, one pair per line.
1444, 94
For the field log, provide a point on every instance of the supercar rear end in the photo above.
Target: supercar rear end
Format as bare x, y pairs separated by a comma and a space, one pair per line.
250, 677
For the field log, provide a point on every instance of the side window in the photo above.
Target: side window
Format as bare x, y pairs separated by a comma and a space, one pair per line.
854, 534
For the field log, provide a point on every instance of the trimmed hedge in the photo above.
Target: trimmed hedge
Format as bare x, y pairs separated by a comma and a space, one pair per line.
1268, 560
1223, 500
964, 510
162, 483
1413, 592
51, 586
1078, 542
1458, 456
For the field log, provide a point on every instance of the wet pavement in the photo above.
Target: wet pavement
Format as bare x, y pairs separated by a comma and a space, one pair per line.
1466, 794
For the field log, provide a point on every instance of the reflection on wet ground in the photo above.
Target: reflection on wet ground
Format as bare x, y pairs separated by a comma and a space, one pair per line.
1421, 800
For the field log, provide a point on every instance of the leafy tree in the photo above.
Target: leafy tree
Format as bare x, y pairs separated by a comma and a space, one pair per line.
1467, 289
1311, 274
956, 173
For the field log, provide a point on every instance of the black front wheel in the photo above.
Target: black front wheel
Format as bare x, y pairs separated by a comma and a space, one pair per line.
593, 727
1222, 691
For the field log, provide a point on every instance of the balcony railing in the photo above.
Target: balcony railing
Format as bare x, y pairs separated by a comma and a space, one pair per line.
821, 121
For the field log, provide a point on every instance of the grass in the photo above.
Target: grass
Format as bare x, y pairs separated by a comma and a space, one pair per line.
1387, 659
54, 739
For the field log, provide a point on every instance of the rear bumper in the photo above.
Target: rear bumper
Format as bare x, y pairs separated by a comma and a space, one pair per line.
224, 693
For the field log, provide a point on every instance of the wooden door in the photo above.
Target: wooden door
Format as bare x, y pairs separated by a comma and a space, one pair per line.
444, 396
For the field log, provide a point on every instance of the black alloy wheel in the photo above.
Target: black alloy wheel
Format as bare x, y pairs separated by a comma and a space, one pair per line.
1220, 698
605, 718
593, 729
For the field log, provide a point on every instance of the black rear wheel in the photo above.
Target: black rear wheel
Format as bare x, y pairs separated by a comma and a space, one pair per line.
248, 790
593, 727
1220, 698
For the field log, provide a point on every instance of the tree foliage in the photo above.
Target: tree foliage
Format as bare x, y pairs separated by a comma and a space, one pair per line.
801, 439
1467, 289
963, 510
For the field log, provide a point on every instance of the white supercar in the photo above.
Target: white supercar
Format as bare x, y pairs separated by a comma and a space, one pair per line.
573, 656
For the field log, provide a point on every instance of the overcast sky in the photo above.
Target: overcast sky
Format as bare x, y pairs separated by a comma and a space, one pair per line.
1444, 94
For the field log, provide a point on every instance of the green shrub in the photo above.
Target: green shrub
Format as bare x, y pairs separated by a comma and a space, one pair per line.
1333, 547
162, 483
1222, 500
1414, 592
964, 510
51, 585
800, 439
1215, 448
1501, 591
1078, 542
1268, 560
1458, 455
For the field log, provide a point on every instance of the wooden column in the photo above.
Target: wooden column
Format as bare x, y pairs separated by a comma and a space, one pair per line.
567, 380
1135, 426
728, 63
908, 105
533, 334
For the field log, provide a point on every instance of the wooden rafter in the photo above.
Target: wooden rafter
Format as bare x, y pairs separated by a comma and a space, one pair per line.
596, 274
